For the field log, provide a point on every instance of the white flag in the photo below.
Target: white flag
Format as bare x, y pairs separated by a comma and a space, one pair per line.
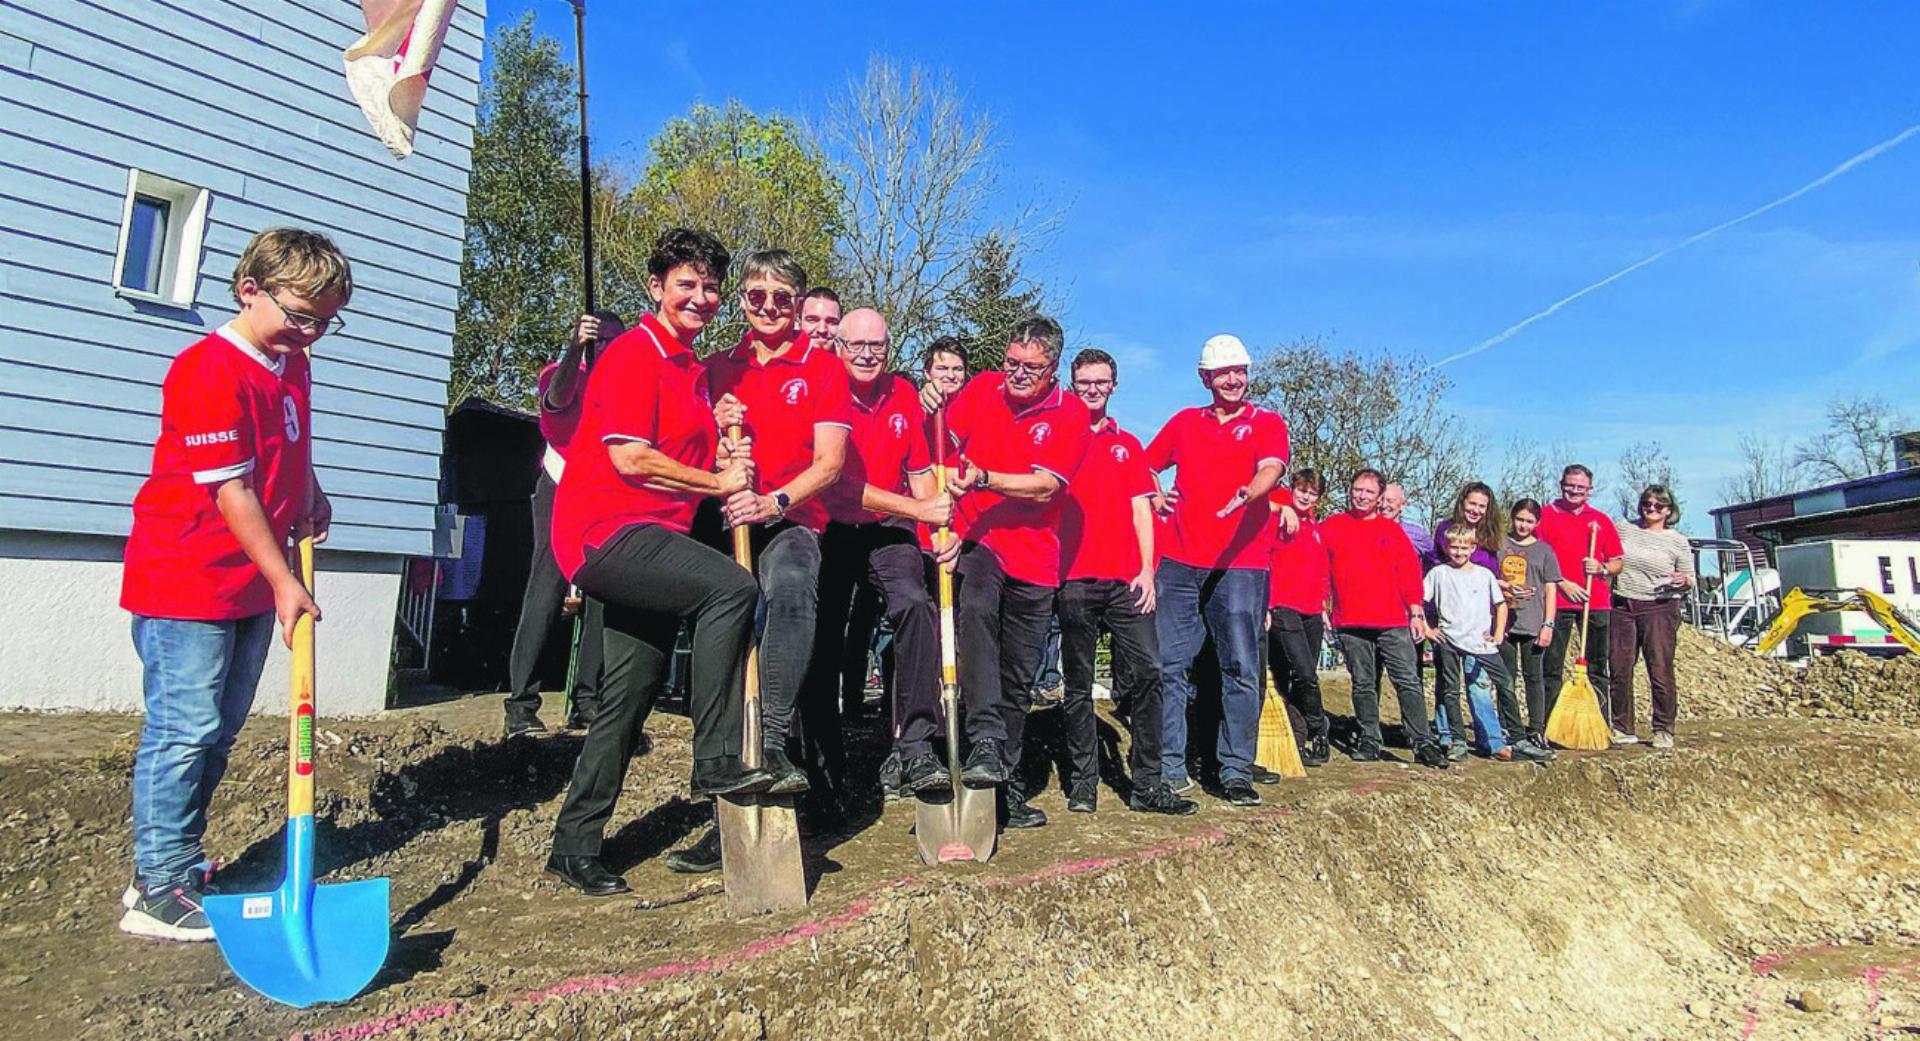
387, 69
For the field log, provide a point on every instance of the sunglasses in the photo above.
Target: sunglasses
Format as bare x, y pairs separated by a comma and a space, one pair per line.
757, 298
1650, 504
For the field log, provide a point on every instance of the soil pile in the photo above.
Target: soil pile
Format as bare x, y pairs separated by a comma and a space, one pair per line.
1719, 680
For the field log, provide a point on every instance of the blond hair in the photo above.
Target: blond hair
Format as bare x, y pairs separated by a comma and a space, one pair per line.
304, 263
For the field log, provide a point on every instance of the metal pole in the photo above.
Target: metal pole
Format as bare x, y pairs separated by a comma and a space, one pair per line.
586, 168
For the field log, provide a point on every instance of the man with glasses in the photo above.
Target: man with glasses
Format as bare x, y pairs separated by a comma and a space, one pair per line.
1212, 576
1567, 525
1020, 437
1106, 581
886, 486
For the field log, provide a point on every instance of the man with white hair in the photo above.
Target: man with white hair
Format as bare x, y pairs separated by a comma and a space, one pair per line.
1212, 577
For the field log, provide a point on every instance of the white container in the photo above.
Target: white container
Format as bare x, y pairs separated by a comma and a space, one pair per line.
1889, 567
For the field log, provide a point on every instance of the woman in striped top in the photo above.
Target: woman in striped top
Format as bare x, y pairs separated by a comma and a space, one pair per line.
1646, 612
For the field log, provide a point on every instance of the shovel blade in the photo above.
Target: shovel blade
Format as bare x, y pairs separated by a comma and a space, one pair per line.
963, 827
301, 949
760, 855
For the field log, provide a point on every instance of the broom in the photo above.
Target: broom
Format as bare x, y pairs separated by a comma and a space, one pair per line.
1575, 721
1277, 750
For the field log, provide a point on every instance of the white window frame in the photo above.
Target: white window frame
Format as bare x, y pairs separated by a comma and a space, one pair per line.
180, 249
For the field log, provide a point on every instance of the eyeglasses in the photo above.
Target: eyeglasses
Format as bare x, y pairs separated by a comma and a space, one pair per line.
1657, 507
1016, 368
1093, 385
306, 324
757, 298
1571, 489
862, 348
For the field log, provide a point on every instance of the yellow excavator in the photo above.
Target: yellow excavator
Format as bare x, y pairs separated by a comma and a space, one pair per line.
1799, 603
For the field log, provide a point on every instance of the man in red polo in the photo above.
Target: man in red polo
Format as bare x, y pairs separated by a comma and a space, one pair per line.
1106, 581
791, 397
1565, 525
1212, 577
886, 487
1021, 437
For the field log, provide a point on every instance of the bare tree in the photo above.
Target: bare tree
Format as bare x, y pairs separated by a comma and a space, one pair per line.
1641, 464
1345, 410
1858, 441
1767, 469
1526, 471
917, 173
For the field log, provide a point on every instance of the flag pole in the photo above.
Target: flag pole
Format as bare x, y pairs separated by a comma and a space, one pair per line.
586, 169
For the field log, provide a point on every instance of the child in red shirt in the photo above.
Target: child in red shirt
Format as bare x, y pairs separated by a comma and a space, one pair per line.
206, 571
1298, 589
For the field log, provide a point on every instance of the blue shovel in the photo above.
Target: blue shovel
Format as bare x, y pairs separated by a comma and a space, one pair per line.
302, 943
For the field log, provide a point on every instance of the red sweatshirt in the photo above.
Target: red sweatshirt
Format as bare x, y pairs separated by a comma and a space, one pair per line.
1375, 571
1298, 579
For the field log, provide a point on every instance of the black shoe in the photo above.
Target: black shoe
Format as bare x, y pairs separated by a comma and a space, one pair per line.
788, 779
1262, 775
890, 772
728, 777
1315, 754
173, 913
1159, 798
699, 858
1240, 793
1365, 752
524, 723
1430, 754
1021, 814
1083, 798
581, 717
586, 874
925, 773
986, 767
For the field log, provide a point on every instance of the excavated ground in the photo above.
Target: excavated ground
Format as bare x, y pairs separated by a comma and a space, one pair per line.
1759, 882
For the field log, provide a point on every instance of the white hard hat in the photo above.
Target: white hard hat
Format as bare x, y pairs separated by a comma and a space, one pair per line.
1223, 352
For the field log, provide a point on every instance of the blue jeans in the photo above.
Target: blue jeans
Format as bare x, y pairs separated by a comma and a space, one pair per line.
1480, 675
198, 683
1228, 604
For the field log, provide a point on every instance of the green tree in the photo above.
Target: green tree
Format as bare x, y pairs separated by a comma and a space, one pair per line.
520, 276
993, 297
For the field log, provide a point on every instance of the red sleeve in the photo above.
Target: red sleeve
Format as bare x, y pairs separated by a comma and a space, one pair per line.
836, 392
1282, 495
1160, 452
1135, 479
919, 454
201, 400
1272, 434
623, 392
959, 411
1061, 452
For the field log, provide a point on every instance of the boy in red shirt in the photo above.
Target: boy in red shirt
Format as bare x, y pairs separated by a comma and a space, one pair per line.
206, 564
1297, 594
1106, 579
1379, 611
1211, 579
1021, 438
1566, 525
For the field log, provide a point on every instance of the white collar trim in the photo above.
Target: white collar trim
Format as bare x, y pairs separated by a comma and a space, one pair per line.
227, 332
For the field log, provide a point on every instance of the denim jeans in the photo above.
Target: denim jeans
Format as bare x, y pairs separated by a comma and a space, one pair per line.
198, 680
1228, 604
1371, 652
1481, 676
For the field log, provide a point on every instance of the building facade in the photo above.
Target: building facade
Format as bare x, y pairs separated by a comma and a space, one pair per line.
1884, 506
141, 144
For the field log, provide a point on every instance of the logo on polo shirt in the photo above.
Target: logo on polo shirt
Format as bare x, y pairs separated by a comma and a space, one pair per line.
794, 390
1120, 453
898, 424
1241, 432
1040, 432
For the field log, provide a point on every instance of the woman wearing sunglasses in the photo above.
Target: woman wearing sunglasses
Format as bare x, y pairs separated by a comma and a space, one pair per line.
1646, 616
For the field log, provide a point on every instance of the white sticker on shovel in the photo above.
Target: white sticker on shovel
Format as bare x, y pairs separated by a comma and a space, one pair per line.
257, 907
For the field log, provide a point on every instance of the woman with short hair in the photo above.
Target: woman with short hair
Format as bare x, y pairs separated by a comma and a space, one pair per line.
1646, 614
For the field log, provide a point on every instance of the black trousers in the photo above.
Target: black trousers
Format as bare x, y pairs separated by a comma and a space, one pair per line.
1001, 629
546, 589
1525, 661
652, 579
856, 654
1598, 650
786, 559
1293, 653
887, 556
1086, 606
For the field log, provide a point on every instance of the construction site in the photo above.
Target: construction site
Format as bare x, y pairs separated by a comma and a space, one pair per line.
1760, 881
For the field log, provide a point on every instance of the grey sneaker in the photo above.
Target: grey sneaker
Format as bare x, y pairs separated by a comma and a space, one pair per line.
171, 914
1457, 751
1663, 740
1621, 737
201, 875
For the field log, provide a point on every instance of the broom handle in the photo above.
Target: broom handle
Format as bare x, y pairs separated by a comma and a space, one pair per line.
750, 739
1586, 605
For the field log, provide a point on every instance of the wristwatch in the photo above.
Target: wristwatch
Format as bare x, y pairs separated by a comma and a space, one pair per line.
985, 484
781, 502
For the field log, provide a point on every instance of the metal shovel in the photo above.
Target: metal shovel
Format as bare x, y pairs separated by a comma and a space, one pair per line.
965, 825
759, 837
303, 943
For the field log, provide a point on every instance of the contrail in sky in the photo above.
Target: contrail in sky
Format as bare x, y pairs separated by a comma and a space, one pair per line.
1510, 331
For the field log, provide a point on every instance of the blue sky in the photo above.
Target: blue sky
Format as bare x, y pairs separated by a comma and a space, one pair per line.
1410, 178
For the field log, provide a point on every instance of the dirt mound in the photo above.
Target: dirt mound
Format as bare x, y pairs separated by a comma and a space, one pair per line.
1719, 680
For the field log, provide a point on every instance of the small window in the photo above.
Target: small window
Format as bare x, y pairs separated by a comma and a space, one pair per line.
161, 230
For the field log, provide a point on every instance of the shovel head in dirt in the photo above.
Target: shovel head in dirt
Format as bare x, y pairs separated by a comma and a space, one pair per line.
960, 824
760, 854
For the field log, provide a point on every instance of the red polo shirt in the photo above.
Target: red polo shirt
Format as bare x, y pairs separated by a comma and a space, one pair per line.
1216, 458
1566, 531
1374, 571
1097, 539
1300, 579
646, 387
786, 398
888, 443
226, 410
1049, 434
